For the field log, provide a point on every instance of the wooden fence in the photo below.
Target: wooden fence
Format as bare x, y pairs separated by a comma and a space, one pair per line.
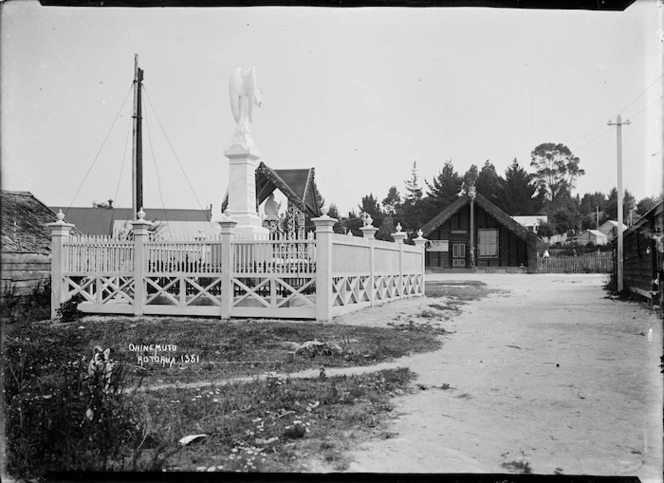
587, 263
314, 278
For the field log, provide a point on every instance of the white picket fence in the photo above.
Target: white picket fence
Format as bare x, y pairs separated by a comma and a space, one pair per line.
314, 278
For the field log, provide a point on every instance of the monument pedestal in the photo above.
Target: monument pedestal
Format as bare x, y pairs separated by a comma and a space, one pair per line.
242, 192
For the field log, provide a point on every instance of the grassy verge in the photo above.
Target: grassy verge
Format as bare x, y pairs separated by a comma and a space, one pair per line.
271, 425
204, 349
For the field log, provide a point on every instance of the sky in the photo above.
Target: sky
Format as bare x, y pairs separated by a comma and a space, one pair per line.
358, 94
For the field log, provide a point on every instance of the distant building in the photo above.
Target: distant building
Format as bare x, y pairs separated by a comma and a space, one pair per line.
26, 242
112, 221
531, 222
610, 229
499, 241
595, 237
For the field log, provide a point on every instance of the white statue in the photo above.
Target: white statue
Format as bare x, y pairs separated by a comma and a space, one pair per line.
271, 208
244, 94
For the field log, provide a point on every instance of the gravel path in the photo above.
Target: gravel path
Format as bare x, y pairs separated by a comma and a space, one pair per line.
552, 376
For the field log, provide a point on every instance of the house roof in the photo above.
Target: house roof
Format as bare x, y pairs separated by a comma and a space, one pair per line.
298, 185
503, 218
597, 233
100, 221
657, 210
24, 220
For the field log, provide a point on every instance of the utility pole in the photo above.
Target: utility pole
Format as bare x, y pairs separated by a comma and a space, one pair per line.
137, 144
619, 262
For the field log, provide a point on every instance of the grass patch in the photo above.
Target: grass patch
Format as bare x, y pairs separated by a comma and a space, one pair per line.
460, 292
272, 425
522, 467
205, 349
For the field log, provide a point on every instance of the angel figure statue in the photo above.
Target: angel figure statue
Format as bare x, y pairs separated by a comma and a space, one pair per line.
244, 95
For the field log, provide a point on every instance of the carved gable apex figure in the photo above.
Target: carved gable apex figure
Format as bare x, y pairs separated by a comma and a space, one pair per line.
244, 95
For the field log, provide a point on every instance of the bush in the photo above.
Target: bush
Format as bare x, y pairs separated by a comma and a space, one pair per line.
68, 311
80, 420
27, 308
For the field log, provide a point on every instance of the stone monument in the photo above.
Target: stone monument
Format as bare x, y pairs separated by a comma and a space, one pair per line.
243, 155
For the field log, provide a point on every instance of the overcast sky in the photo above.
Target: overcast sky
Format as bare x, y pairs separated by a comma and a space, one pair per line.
358, 94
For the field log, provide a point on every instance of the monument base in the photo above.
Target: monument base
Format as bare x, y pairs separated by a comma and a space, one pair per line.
249, 227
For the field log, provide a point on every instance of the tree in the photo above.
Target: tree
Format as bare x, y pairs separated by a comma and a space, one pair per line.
470, 178
489, 184
518, 195
370, 205
333, 211
443, 189
392, 202
648, 203
591, 202
556, 169
611, 208
413, 207
386, 228
413, 188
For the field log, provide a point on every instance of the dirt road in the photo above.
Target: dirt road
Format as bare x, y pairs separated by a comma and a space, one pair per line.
550, 377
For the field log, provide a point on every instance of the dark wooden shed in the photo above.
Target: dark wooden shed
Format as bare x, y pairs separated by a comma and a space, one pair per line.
497, 239
643, 253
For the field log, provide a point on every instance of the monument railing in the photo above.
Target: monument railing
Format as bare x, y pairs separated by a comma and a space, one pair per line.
313, 278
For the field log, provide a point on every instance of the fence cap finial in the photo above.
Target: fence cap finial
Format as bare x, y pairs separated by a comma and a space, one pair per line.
325, 210
141, 214
419, 233
60, 216
398, 227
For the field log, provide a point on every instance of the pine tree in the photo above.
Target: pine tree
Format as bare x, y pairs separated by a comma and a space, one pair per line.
518, 194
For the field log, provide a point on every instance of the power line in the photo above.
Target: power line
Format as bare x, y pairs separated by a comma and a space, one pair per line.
647, 107
639, 96
593, 139
172, 149
154, 161
117, 189
587, 134
100, 148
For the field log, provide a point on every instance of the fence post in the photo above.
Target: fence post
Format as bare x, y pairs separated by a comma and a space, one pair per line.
59, 233
324, 233
420, 242
140, 228
227, 225
369, 232
400, 239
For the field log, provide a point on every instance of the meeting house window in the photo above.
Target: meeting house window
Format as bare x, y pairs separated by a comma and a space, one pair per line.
487, 242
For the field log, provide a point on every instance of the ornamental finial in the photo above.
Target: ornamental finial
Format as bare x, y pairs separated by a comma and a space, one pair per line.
140, 214
325, 210
399, 228
60, 216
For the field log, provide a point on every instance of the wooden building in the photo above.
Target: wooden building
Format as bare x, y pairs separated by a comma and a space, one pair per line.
26, 242
473, 232
643, 253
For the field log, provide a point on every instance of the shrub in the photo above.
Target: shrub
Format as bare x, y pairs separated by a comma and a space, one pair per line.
81, 421
68, 311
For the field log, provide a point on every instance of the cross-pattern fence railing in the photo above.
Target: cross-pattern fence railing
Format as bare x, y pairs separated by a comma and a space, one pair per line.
313, 278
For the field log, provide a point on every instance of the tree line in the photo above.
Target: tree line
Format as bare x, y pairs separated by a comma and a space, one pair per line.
545, 190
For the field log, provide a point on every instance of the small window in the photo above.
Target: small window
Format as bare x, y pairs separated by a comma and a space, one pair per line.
487, 242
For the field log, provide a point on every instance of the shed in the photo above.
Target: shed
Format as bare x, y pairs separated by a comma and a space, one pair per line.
643, 253
26, 242
497, 239
610, 229
595, 237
